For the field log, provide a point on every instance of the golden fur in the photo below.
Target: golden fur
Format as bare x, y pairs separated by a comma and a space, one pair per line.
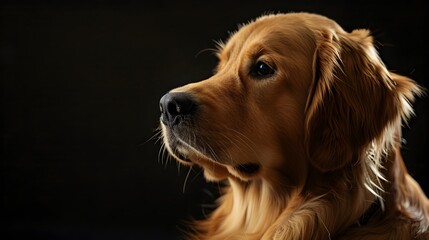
322, 133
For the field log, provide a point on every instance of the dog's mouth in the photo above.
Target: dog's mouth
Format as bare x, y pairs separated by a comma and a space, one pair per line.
184, 144
183, 157
248, 168
189, 153
180, 153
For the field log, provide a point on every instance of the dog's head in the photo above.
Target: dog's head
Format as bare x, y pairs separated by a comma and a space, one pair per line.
290, 91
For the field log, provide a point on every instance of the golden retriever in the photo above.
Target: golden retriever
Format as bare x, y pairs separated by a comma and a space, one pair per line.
302, 121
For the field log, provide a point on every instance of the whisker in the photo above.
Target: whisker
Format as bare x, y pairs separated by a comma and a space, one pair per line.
178, 165
166, 156
158, 134
186, 179
196, 175
160, 153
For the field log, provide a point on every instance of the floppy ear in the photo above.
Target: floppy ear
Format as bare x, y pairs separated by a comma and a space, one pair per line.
352, 100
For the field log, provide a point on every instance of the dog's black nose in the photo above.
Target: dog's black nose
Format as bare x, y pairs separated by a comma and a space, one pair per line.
174, 106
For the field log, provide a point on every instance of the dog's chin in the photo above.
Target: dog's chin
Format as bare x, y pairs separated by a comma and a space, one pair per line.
182, 158
213, 170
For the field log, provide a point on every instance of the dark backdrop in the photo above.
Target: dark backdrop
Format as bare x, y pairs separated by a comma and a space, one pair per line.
80, 89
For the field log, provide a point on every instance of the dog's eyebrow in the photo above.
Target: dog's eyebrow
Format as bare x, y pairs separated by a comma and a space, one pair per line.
257, 50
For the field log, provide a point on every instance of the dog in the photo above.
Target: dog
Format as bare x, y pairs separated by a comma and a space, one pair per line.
302, 122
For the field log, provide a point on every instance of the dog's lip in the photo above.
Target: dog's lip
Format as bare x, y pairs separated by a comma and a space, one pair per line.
182, 149
182, 157
163, 122
185, 151
178, 150
248, 168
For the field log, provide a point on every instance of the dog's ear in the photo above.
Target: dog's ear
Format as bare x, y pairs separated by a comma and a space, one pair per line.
352, 99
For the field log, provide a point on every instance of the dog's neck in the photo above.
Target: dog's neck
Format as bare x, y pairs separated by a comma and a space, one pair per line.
254, 206
248, 207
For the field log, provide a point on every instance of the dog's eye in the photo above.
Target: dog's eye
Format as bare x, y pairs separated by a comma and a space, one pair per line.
262, 69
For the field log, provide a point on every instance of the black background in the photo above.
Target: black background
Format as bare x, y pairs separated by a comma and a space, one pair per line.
80, 89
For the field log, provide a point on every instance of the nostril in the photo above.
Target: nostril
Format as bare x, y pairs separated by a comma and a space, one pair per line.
173, 108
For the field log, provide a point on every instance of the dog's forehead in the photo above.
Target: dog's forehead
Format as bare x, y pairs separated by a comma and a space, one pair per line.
271, 28
292, 30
